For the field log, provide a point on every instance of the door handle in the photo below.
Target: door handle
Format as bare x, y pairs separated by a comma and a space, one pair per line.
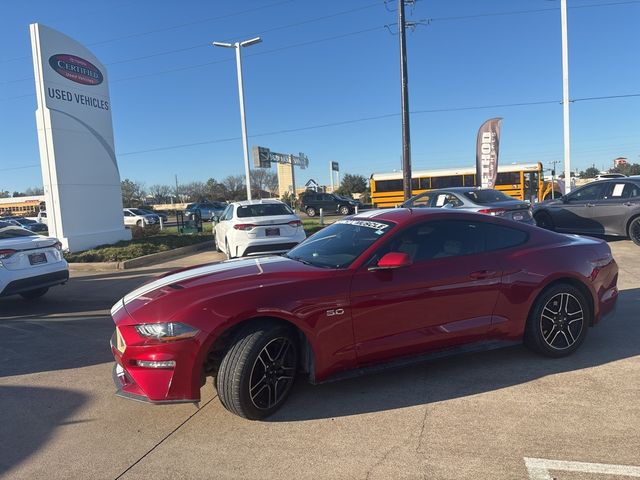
480, 274
628, 204
591, 204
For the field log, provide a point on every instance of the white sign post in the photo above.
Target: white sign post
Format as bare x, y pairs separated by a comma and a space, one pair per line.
75, 134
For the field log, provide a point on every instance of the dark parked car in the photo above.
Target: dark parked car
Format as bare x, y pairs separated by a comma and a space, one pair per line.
371, 289
312, 202
205, 210
27, 223
474, 199
604, 207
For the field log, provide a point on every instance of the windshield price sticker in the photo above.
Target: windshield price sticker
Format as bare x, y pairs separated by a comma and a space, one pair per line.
365, 223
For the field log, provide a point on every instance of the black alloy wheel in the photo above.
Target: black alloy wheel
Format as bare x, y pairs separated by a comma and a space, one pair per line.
257, 372
634, 230
558, 321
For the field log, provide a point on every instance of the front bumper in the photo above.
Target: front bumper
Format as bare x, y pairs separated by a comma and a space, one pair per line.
156, 385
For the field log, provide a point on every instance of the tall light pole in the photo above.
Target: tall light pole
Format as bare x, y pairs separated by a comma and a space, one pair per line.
565, 97
404, 99
245, 143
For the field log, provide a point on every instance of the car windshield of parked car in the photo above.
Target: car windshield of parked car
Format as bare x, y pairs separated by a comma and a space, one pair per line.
8, 230
483, 197
263, 210
339, 244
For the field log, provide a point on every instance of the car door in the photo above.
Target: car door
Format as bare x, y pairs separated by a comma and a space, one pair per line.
224, 224
444, 298
620, 201
573, 213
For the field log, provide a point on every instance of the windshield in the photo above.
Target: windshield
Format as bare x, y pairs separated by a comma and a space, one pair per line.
263, 210
483, 197
11, 231
339, 244
137, 211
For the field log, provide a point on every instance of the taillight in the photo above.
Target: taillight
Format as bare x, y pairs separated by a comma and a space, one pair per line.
295, 223
599, 264
57, 246
244, 226
6, 253
492, 211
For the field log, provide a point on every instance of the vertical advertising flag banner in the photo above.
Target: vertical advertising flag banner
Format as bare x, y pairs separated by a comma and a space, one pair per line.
487, 147
75, 136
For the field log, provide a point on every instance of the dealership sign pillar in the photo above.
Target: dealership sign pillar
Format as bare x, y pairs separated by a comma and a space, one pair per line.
75, 135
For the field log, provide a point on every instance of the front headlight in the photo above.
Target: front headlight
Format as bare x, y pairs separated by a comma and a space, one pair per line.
166, 332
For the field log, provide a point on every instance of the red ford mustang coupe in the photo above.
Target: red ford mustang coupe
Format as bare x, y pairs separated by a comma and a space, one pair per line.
370, 290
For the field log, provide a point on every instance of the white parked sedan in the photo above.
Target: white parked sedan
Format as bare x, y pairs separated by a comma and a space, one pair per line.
136, 216
29, 263
256, 227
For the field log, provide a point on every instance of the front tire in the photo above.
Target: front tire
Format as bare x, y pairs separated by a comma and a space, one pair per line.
257, 372
33, 294
634, 230
558, 322
544, 220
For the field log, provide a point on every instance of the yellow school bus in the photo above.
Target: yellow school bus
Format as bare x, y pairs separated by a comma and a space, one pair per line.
21, 206
523, 181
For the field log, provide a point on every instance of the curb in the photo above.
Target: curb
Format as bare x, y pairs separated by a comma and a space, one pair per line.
141, 261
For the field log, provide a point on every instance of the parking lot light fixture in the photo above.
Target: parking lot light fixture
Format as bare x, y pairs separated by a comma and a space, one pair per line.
245, 144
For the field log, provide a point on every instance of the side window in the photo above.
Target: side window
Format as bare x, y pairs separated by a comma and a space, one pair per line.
422, 201
499, 237
223, 215
437, 239
229, 213
621, 190
445, 198
127, 214
590, 192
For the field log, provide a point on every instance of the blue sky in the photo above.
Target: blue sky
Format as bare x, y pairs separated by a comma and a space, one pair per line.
333, 62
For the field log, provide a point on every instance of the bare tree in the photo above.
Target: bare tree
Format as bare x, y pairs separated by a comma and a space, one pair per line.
196, 191
132, 193
31, 191
235, 187
160, 193
263, 180
215, 190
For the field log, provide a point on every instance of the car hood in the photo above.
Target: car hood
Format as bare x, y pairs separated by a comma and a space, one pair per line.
161, 297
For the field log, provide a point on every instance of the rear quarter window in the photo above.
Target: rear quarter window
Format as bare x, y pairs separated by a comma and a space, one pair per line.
499, 237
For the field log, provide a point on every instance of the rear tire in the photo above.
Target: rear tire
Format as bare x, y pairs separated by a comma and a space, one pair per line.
311, 212
558, 321
634, 230
33, 294
258, 370
344, 210
139, 223
544, 220
215, 242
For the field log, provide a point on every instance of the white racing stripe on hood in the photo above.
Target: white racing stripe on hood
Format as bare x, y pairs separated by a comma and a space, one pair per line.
193, 273
373, 213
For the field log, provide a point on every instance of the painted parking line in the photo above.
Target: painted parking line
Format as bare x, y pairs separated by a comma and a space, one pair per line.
539, 468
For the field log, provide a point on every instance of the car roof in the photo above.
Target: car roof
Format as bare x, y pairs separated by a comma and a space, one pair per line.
258, 202
408, 215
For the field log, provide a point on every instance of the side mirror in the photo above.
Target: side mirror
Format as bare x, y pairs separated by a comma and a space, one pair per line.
564, 199
392, 260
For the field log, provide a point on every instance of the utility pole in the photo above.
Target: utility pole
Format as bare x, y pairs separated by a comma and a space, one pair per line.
404, 97
553, 178
565, 98
177, 195
245, 143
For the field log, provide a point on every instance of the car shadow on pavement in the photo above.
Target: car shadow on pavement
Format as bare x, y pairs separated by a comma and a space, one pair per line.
29, 416
30, 346
614, 339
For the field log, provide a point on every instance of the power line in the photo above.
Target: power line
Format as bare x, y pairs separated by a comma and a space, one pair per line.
370, 118
171, 27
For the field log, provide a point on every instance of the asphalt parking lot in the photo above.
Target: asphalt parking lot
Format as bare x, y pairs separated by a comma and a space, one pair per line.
478, 416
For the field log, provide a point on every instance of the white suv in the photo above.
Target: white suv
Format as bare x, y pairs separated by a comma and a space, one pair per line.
29, 263
256, 227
